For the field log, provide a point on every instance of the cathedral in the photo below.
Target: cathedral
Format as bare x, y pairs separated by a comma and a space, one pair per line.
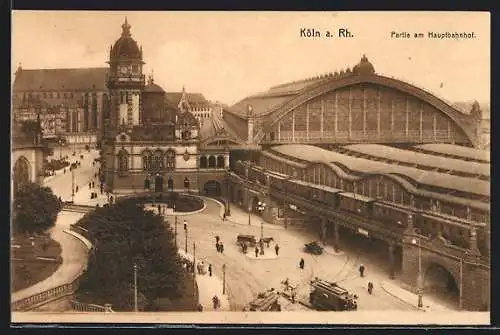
151, 143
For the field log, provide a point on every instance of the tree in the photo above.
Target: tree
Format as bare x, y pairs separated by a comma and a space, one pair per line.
35, 208
125, 234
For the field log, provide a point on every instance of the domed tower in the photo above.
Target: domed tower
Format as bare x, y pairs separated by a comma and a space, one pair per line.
125, 81
364, 67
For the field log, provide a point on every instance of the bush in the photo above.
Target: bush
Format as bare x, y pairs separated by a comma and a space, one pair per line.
125, 234
35, 209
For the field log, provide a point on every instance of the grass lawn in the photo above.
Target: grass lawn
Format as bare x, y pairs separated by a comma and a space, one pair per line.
26, 268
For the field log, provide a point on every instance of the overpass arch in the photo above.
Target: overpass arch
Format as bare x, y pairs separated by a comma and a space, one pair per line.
365, 108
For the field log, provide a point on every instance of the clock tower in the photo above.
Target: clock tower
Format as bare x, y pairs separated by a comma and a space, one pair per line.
125, 82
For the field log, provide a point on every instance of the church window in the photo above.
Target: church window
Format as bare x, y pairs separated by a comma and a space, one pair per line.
211, 162
122, 161
170, 158
220, 162
147, 160
158, 160
203, 162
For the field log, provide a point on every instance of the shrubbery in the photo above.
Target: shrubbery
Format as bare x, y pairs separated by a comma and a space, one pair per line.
35, 209
125, 234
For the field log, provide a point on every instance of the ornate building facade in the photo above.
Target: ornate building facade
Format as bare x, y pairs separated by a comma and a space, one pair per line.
153, 139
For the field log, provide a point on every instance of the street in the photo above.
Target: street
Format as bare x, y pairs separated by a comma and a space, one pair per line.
247, 277
61, 182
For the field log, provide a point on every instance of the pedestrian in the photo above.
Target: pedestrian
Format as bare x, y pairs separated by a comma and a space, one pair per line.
93, 184
217, 246
301, 263
370, 287
210, 270
216, 302
159, 209
221, 248
90, 186
362, 270
217, 239
60, 199
224, 217
200, 308
277, 249
256, 252
76, 188
64, 170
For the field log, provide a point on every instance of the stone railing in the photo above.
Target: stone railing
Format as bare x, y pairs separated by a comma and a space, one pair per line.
84, 307
55, 293
45, 297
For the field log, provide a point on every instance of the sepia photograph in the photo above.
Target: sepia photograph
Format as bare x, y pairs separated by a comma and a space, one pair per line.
184, 167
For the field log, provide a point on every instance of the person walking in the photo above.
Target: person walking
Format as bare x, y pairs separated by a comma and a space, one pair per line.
221, 248
210, 270
277, 249
256, 252
362, 270
217, 246
216, 302
370, 287
301, 263
90, 186
217, 239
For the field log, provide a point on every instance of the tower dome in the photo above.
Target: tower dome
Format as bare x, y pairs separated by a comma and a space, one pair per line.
363, 67
125, 46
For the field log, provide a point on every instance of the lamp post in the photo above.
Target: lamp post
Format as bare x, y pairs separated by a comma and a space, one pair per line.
175, 228
185, 236
224, 279
261, 207
60, 148
135, 288
418, 242
72, 185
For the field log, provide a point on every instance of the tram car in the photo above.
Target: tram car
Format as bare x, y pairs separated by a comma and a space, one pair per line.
327, 296
278, 181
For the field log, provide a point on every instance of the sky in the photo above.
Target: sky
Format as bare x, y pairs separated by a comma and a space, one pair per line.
230, 55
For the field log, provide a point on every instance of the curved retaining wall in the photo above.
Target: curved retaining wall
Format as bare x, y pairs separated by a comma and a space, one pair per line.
54, 294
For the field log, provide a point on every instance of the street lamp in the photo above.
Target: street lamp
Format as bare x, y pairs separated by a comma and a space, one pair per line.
72, 185
185, 236
135, 288
224, 279
261, 206
175, 229
418, 242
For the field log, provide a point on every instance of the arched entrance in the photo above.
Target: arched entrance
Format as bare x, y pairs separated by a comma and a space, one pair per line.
212, 188
159, 183
21, 173
440, 283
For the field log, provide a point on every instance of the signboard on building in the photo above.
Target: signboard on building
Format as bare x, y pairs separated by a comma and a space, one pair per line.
363, 232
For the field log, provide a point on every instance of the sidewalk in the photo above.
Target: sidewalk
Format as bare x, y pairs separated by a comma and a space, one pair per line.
240, 217
74, 258
208, 287
412, 299
82, 197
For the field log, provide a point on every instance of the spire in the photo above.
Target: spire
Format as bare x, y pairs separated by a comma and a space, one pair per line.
126, 29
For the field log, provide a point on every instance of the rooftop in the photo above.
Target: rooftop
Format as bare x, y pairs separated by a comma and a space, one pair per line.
421, 159
61, 79
456, 150
434, 179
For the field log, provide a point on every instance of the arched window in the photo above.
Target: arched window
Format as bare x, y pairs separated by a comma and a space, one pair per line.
220, 162
21, 173
122, 161
211, 161
158, 160
147, 160
170, 157
203, 162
